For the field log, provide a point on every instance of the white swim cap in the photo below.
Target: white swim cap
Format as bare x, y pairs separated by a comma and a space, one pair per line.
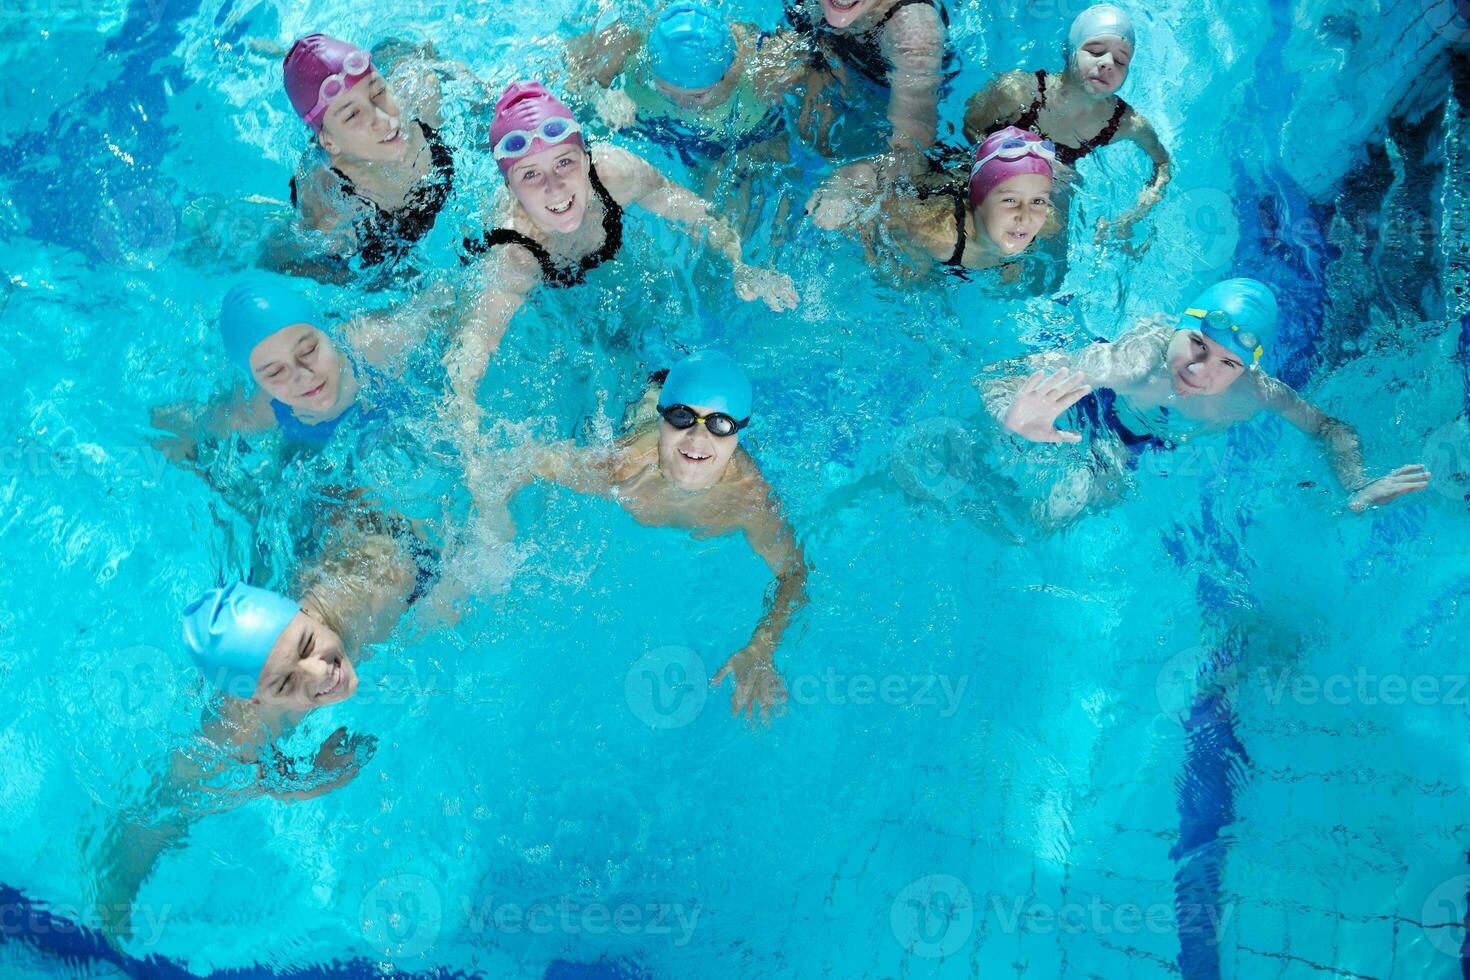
1100, 20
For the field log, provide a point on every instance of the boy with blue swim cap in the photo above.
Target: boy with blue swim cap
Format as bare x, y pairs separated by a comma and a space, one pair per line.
695, 81
1172, 379
304, 383
273, 660
682, 465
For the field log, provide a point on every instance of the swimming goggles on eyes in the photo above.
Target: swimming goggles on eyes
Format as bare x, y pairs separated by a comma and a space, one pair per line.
1218, 322
1014, 149
517, 142
357, 63
717, 423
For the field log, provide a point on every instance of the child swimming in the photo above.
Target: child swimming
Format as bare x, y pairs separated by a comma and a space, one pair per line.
696, 82
1079, 109
895, 44
1007, 205
388, 172
302, 382
565, 218
688, 470
273, 659
1178, 378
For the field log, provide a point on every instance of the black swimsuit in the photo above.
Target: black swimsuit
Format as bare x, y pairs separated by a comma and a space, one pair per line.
386, 236
1069, 155
861, 52
560, 276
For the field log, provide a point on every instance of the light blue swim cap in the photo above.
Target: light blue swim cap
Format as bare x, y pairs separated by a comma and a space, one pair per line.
230, 632
690, 46
709, 379
1100, 20
257, 307
1240, 314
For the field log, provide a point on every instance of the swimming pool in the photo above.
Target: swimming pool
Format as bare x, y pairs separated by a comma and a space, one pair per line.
1001, 758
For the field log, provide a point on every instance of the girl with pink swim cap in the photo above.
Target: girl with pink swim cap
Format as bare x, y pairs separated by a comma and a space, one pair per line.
565, 218
1079, 108
1008, 199
388, 173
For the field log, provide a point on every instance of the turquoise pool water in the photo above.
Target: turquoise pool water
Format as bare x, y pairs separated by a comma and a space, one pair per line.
1001, 757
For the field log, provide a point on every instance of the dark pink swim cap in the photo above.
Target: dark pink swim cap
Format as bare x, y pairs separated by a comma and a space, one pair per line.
525, 106
307, 65
995, 172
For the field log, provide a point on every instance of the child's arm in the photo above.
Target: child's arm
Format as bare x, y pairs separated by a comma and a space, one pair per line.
594, 61
1138, 129
758, 686
997, 104
633, 180
1028, 405
187, 422
914, 43
1343, 448
505, 279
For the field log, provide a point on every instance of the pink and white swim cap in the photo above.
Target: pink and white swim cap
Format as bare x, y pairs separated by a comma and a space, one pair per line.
520, 125
317, 70
1004, 154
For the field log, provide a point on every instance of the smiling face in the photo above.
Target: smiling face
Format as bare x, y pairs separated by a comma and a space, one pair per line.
1102, 64
300, 367
841, 13
1200, 366
553, 186
307, 668
691, 458
1014, 211
365, 122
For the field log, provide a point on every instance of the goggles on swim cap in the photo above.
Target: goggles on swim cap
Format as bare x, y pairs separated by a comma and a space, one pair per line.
358, 62
1219, 325
518, 142
1014, 149
716, 423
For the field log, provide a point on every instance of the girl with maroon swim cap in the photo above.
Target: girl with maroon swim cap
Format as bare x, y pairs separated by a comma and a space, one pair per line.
565, 218
388, 173
1006, 207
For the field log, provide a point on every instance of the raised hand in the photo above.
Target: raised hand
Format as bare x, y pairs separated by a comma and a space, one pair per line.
1043, 398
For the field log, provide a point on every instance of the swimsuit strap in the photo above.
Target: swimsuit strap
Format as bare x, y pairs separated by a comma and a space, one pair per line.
859, 51
956, 260
1069, 155
559, 276
1028, 119
387, 235
612, 222
943, 13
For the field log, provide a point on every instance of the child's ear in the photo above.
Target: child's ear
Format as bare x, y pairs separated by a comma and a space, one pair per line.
327, 143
